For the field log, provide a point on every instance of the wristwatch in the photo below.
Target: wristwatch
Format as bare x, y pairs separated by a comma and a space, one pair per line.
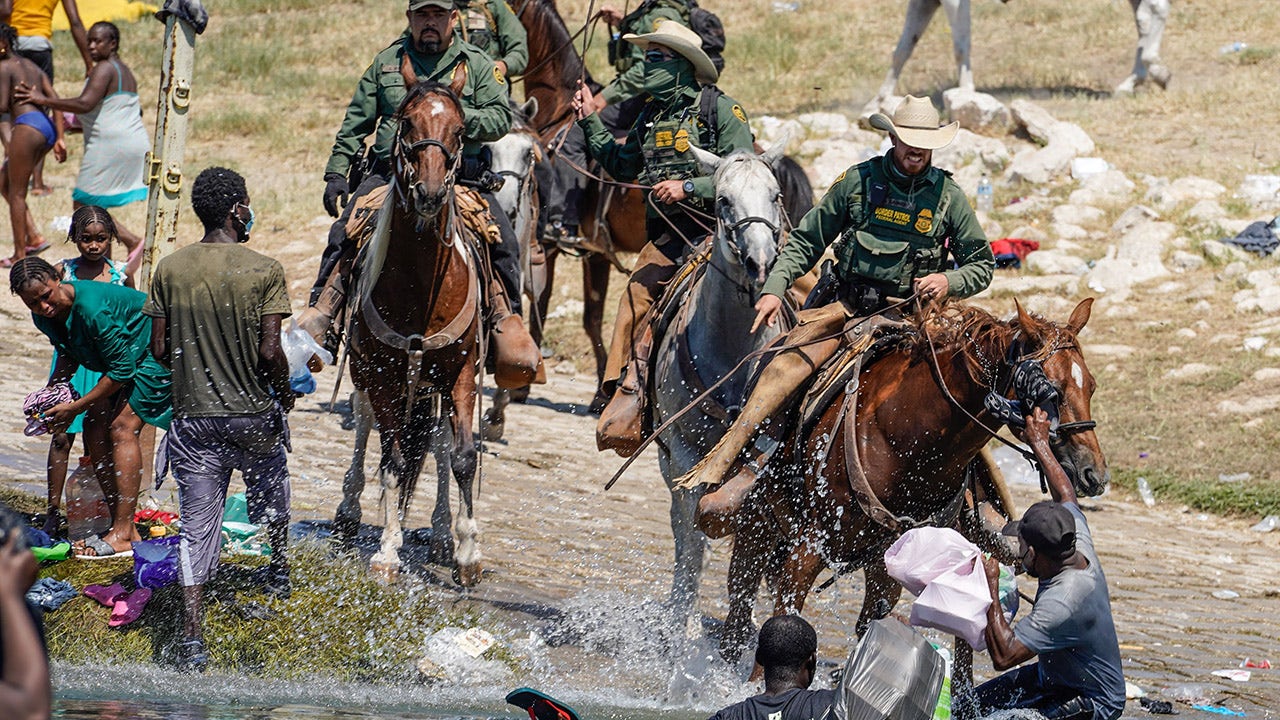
688, 187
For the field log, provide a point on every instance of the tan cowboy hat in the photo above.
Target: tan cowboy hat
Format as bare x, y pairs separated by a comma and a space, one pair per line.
671, 34
915, 123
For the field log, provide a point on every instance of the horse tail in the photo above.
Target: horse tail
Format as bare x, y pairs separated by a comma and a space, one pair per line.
797, 191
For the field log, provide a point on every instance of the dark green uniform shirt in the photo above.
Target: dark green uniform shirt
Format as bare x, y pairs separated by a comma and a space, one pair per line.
891, 242
626, 162
628, 58
486, 110
492, 26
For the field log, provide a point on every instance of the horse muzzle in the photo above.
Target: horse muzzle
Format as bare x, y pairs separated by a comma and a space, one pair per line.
427, 202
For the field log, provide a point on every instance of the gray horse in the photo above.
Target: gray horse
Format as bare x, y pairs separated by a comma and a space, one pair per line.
708, 336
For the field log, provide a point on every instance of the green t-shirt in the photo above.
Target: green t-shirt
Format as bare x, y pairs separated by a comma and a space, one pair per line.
107, 333
213, 296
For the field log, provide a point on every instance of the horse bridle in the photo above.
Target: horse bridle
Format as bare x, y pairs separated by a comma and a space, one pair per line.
1027, 371
405, 150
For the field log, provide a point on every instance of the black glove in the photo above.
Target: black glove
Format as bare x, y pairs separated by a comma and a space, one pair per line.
335, 186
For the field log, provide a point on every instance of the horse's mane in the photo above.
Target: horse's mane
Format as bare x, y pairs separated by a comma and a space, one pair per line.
548, 26
980, 338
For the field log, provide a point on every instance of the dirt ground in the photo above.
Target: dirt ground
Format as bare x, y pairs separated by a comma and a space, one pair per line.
552, 537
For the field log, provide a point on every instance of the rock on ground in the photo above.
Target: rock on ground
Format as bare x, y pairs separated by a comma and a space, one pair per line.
1106, 189
1165, 196
979, 112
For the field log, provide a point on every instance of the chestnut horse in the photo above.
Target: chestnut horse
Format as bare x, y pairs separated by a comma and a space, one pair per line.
915, 417
554, 69
413, 336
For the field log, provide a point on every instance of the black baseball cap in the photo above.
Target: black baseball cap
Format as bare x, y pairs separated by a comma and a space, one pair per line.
1048, 527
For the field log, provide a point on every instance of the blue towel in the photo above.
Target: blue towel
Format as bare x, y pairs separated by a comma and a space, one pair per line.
37, 538
50, 594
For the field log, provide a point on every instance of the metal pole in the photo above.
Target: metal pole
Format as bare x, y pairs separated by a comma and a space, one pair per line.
164, 162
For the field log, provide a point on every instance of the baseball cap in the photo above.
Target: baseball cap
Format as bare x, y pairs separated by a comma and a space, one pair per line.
1048, 527
415, 4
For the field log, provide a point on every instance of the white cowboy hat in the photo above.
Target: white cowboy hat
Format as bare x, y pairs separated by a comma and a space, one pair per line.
671, 34
915, 123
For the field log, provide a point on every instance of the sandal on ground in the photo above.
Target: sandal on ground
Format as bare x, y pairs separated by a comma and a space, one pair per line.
8, 262
106, 595
39, 247
129, 607
102, 550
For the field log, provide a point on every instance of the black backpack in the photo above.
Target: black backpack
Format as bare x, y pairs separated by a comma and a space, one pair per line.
702, 21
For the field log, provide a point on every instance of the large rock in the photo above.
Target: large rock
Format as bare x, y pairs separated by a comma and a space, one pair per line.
1190, 370
1027, 205
834, 157
1078, 215
1032, 284
875, 105
769, 128
1261, 191
1068, 231
1220, 252
1132, 217
967, 147
1056, 262
1106, 189
1264, 299
1048, 130
1031, 232
1207, 213
1143, 247
1039, 166
1183, 261
1167, 196
976, 111
823, 124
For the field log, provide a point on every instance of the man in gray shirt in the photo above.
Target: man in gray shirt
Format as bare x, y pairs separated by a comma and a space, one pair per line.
1070, 630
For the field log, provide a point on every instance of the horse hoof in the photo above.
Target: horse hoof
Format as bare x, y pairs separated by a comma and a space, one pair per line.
491, 431
520, 394
441, 553
467, 575
388, 572
598, 404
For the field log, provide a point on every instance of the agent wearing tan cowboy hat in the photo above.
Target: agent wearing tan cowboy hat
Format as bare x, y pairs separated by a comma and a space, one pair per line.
897, 222
687, 110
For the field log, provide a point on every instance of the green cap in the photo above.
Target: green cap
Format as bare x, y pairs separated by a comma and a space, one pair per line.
415, 4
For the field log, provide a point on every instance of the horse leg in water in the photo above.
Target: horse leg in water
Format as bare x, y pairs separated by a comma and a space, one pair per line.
495, 418
463, 449
346, 522
754, 546
881, 595
690, 549
595, 288
386, 562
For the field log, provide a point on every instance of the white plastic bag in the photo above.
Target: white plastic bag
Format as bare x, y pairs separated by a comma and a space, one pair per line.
298, 347
924, 553
956, 603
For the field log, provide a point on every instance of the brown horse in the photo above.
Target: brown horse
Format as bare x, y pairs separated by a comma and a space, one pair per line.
611, 216
414, 335
912, 446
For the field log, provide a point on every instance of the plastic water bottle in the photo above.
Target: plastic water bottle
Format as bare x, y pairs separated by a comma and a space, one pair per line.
1234, 47
87, 511
986, 196
1144, 491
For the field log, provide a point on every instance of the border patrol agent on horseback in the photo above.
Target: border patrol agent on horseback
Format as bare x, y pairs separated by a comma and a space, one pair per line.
686, 110
434, 52
618, 104
895, 220
492, 26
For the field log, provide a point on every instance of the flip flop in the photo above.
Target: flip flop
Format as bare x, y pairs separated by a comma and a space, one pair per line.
8, 262
102, 550
37, 249
540, 706
107, 595
129, 607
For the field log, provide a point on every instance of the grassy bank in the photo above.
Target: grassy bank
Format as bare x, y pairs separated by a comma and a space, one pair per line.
1244, 498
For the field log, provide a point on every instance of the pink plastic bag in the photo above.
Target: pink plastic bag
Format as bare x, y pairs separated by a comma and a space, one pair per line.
924, 553
956, 603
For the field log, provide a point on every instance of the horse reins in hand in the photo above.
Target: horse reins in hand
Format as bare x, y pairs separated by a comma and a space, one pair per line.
741, 363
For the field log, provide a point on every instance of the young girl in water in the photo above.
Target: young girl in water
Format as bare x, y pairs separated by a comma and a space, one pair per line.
92, 231
33, 135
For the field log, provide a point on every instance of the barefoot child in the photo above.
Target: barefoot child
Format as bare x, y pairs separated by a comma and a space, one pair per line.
33, 135
92, 231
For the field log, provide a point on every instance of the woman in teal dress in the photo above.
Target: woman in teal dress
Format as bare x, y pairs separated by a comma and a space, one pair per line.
101, 327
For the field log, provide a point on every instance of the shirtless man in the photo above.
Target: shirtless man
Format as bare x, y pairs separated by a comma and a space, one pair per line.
34, 134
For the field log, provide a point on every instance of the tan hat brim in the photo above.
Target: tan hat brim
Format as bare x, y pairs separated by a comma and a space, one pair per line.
703, 69
923, 138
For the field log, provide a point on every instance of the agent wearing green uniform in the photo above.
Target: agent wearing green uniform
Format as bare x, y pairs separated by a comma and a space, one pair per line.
492, 26
897, 221
686, 110
435, 52
618, 105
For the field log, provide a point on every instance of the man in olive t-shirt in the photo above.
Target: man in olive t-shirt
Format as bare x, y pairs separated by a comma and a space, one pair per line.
216, 309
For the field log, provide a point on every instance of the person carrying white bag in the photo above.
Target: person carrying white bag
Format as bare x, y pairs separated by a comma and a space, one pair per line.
1070, 631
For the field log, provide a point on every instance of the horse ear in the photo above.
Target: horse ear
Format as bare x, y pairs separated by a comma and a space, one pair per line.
1025, 321
459, 79
406, 72
708, 160
1080, 316
529, 109
778, 148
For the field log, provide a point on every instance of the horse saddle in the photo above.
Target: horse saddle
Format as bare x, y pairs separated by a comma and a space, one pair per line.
364, 216
475, 215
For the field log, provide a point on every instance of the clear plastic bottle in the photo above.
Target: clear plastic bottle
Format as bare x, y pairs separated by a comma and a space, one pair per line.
1144, 491
87, 510
986, 196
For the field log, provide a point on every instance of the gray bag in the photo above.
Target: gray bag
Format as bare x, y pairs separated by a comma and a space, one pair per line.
893, 674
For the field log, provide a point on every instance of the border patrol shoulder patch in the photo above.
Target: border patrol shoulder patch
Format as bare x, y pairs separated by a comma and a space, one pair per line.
497, 75
738, 113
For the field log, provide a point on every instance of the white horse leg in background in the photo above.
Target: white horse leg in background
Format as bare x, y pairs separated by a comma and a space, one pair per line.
919, 13
1150, 16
